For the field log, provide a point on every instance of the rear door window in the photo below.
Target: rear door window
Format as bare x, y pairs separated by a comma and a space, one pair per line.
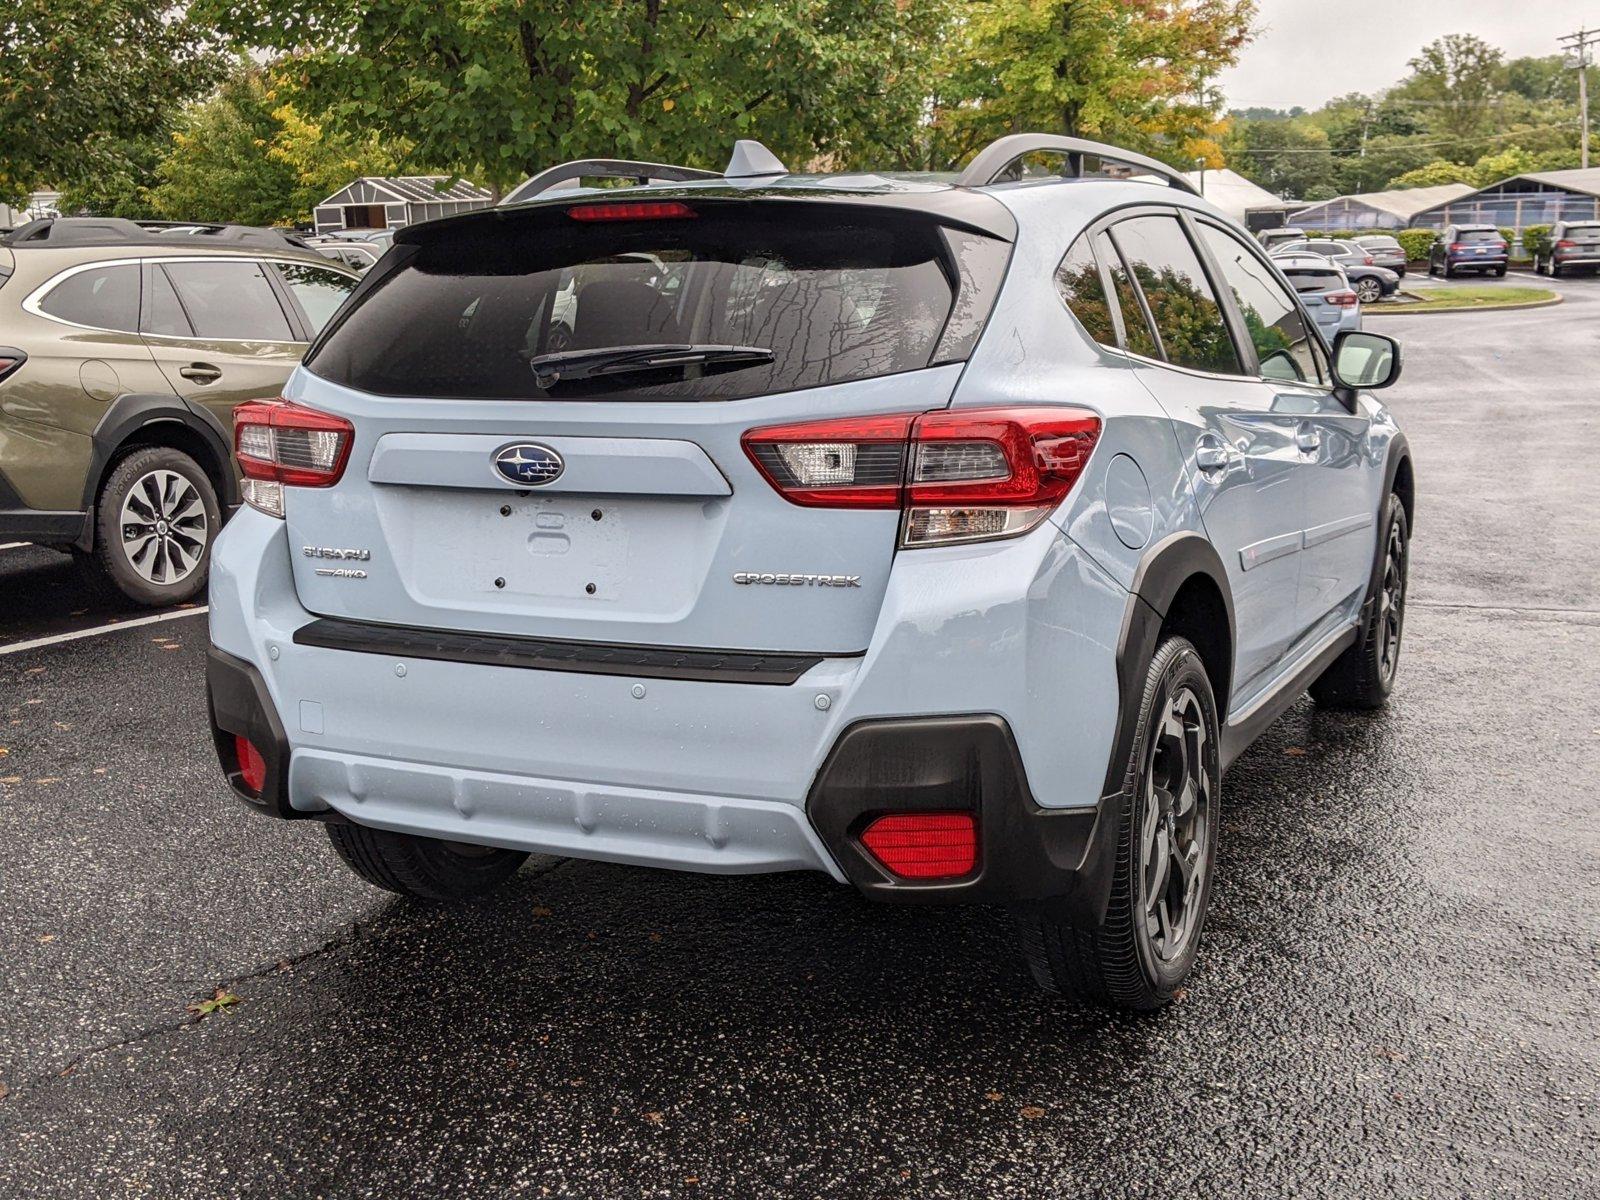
1181, 301
1135, 324
829, 293
230, 300
99, 297
1284, 344
163, 312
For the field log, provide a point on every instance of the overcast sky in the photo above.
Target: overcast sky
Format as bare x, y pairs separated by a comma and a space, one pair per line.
1309, 51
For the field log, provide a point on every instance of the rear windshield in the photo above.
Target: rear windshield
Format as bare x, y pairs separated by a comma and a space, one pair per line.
1379, 243
1479, 235
1587, 231
833, 292
1308, 281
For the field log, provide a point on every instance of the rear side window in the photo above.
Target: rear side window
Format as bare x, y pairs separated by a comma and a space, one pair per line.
1079, 281
100, 297
832, 293
163, 314
1135, 326
318, 291
1278, 329
231, 300
1187, 315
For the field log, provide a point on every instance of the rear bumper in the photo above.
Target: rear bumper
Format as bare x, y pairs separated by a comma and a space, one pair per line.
672, 765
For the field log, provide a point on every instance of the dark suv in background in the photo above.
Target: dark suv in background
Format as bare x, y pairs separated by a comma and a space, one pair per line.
1572, 244
1478, 248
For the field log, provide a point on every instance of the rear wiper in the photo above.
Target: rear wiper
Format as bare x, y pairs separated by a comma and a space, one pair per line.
569, 365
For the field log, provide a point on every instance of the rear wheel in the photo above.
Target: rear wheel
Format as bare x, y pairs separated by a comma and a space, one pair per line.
424, 868
1369, 291
1500, 272
1166, 846
154, 525
1363, 676
1555, 269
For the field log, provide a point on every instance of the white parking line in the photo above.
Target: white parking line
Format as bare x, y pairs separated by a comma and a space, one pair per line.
77, 635
14, 545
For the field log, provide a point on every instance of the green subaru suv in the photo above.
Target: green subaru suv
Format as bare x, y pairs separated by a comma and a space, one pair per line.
123, 351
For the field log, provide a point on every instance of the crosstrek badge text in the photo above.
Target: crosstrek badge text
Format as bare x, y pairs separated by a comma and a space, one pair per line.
847, 581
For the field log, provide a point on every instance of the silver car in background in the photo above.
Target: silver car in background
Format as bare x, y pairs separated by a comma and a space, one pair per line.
1324, 289
1386, 251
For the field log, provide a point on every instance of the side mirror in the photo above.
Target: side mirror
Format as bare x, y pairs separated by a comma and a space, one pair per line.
1363, 361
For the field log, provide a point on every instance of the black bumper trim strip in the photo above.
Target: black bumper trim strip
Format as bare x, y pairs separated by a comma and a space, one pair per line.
543, 654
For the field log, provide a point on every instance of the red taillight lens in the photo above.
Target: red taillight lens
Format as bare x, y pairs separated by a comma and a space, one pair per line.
634, 210
1343, 299
935, 845
279, 445
1457, 247
1370, 261
960, 475
252, 767
1563, 244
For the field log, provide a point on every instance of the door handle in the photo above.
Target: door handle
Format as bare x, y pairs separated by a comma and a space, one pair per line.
1308, 438
1213, 454
201, 372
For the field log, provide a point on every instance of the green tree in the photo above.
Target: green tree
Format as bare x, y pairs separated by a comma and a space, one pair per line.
83, 81
1434, 174
1459, 76
502, 88
1137, 74
244, 156
1291, 158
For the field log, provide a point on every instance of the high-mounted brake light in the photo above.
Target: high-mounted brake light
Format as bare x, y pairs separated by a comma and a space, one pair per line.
961, 475
924, 845
633, 210
280, 445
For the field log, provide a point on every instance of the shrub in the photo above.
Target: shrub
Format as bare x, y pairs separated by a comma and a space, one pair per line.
1510, 236
1416, 242
1536, 239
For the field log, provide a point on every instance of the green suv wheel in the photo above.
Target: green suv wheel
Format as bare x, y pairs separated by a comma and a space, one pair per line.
154, 525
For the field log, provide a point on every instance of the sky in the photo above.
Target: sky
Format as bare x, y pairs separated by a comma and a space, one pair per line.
1309, 51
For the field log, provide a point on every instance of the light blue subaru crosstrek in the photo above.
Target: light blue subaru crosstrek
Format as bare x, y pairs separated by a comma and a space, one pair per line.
949, 536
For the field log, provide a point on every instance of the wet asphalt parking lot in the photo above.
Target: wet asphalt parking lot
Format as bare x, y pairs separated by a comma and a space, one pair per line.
1397, 994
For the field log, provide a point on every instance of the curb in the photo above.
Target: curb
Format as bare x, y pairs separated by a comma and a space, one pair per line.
1374, 310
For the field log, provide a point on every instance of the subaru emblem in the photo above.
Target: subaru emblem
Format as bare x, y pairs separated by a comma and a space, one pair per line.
528, 464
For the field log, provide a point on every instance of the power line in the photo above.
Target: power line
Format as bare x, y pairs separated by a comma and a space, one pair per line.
1393, 149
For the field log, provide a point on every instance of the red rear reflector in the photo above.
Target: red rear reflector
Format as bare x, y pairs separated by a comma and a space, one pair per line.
924, 845
633, 210
252, 767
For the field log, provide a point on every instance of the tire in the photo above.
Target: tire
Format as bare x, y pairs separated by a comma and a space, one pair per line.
1369, 291
1499, 272
1555, 269
1122, 963
1449, 271
1432, 269
1538, 264
154, 524
1363, 676
423, 868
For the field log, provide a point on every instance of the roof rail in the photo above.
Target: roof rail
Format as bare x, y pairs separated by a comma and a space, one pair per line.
116, 231
991, 163
604, 168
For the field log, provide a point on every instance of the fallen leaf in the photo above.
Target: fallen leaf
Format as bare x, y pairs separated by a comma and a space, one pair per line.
34, 671
655, 937
1032, 1112
172, 647
540, 910
1179, 995
11, 779
686, 1178
653, 1117
62, 724
1390, 1054
4, 1090
991, 1096
1295, 751
46, 938
49, 779
4, 752
219, 1003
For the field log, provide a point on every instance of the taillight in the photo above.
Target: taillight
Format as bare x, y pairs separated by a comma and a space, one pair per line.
280, 445
1563, 244
1342, 299
1370, 261
961, 475
1457, 247
633, 210
252, 767
928, 845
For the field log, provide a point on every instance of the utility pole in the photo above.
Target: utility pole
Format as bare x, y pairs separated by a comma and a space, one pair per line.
1579, 44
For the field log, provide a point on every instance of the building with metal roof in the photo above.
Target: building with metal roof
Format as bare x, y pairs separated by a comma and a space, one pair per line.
1238, 197
1378, 210
1537, 198
388, 202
